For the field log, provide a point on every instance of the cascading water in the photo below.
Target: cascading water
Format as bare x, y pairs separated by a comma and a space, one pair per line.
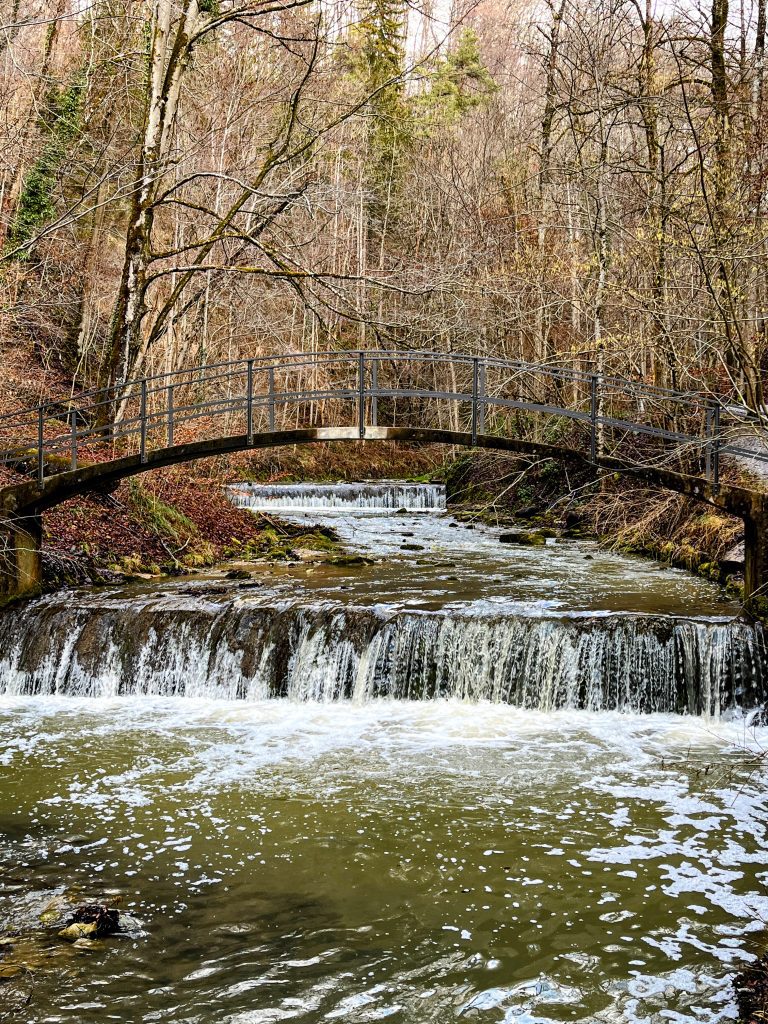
239, 649
395, 630
523, 848
371, 497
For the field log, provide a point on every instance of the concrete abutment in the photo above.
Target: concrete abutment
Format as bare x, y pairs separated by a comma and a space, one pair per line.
21, 561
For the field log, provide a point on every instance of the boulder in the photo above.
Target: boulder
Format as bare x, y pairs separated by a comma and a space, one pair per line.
78, 930
526, 538
349, 560
733, 560
238, 574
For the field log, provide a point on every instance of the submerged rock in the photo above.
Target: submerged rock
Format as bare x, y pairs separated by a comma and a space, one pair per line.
349, 560
238, 574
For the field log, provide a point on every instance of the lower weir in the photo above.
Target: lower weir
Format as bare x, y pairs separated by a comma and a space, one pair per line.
237, 649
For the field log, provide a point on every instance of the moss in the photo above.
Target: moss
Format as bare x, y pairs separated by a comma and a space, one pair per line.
160, 517
317, 540
757, 608
60, 124
280, 543
349, 560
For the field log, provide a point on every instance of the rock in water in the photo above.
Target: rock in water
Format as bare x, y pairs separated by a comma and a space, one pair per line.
91, 921
529, 538
78, 930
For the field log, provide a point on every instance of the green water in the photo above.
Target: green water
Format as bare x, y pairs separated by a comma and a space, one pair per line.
409, 862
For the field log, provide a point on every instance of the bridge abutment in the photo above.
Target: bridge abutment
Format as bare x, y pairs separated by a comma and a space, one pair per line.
756, 557
21, 563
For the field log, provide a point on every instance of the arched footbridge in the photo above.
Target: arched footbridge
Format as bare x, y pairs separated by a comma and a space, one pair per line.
683, 441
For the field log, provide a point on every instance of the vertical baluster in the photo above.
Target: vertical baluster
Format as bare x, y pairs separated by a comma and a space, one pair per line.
40, 446
481, 382
73, 439
249, 402
143, 424
475, 389
361, 394
593, 419
374, 392
271, 399
170, 415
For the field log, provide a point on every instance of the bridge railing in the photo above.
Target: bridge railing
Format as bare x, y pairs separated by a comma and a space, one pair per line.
596, 415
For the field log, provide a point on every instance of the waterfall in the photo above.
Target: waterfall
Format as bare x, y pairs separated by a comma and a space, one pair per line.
236, 649
383, 496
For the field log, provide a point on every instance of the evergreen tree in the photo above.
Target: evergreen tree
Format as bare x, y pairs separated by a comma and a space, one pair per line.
460, 82
60, 125
379, 63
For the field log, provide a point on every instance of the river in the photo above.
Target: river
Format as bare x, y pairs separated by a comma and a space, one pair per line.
475, 781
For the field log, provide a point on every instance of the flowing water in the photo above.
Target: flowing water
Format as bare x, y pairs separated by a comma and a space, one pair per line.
472, 781
381, 496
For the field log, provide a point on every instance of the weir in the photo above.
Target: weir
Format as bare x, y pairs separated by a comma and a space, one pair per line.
380, 496
399, 635
229, 649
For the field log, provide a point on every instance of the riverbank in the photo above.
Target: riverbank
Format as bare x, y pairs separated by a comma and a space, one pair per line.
176, 520
616, 511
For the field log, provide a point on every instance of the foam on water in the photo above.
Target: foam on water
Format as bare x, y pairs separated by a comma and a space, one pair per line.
248, 648
315, 862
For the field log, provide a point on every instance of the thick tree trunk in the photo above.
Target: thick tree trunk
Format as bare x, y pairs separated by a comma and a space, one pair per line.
169, 50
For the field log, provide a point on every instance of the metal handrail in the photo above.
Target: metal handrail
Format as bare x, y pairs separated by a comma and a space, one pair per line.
161, 403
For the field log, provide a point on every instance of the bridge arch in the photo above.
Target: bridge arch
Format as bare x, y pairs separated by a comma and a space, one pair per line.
151, 410
23, 504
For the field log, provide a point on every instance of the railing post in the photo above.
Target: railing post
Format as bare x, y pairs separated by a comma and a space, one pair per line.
361, 394
593, 418
374, 395
481, 398
143, 424
707, 447
716, 450
271, 399
73, 439
249, 402
40, 446
475, 384
170, 415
